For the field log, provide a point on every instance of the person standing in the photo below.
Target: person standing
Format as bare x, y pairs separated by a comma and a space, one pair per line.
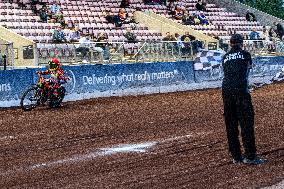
238, 108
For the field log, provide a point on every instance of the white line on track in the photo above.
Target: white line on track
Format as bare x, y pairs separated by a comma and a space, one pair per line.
101, 152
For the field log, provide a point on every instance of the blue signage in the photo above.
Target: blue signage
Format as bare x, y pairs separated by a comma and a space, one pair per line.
99, 79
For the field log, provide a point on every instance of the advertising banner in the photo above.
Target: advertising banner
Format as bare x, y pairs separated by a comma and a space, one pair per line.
14, 82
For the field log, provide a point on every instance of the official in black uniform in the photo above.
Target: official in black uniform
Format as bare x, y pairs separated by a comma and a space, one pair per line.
238, 108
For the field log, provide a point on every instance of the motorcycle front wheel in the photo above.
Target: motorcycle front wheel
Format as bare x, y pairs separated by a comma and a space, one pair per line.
30, 99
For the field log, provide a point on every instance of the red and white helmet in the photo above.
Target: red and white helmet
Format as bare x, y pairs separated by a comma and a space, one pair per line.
53, 64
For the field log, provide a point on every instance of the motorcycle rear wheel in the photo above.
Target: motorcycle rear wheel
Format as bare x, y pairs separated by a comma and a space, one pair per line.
30, 99
56, 102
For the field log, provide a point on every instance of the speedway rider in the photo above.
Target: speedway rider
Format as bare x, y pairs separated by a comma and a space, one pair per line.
57, 77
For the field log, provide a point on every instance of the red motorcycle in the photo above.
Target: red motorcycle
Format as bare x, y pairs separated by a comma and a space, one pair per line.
43, 93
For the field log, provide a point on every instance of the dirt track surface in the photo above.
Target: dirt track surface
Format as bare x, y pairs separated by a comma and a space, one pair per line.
180, 143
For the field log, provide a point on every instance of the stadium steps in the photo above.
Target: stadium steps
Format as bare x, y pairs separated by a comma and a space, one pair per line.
241, 9
158, 22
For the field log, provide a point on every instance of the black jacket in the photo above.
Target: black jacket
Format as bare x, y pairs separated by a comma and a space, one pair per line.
236, 65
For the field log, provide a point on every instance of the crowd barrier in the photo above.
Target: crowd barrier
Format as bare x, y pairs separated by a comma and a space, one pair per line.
140, 51
90, 81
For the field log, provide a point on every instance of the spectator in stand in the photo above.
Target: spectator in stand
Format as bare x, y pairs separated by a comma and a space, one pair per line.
130, 36
179, 43
272, 33
73, 35
34, 4
169, 37
109, 18
254, 35
102, 40
200, 6
84, 47
188, 19
265, 36
60, 18
203, 19
58, 35
196, 18
250, 16
178, 13
121, 17
55, 8
280, 31
171, 4
43, 14
124, 4
187, 40
49, 14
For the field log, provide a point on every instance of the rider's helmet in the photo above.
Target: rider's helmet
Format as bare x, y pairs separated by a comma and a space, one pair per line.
53, 64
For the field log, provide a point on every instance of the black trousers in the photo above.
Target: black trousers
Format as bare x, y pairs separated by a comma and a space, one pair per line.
238, 110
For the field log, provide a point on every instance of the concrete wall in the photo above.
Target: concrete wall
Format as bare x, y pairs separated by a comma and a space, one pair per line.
241, 9
160, 23
19, 42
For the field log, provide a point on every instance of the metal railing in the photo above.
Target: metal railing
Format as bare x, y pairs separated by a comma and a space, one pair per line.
123, 52
117, 52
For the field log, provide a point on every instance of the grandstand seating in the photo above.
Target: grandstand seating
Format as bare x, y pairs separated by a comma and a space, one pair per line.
223, 22
88, 14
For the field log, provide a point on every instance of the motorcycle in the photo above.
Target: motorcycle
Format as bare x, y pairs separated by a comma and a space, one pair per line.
41, 94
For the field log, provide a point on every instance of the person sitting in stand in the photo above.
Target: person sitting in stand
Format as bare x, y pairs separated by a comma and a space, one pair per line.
34, 4
59, 35
196, 18
179, 43
187, 42
84, 47
171, 4
203, 19
102, 45
109, 18
43, 14
178, 13
188, 19
121, 17
200, 6
250, 16
55, 8
254, 35
73, 35
130, 36
265, 36
124, 4
57, 77
49, 15
169, 37
280, 30
59, 17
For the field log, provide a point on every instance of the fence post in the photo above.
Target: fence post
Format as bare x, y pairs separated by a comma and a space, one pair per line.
5, 61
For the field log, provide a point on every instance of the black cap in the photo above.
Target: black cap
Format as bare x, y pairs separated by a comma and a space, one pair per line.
236, 39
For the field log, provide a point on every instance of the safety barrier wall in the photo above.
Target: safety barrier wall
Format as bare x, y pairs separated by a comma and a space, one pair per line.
90, 81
